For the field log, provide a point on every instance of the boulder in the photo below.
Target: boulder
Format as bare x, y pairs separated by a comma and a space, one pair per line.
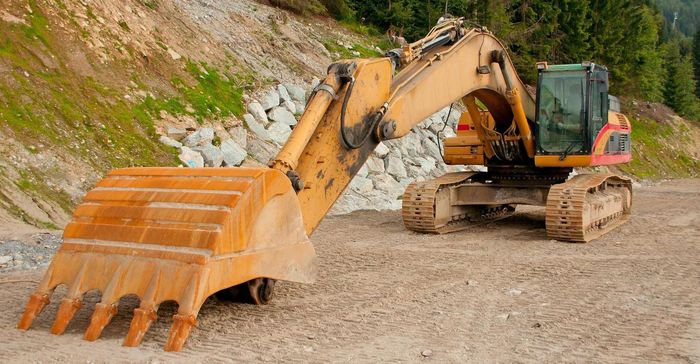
282, 115
314, 82
270, 100
257, 111
427, 165
170, 142
431, 149
284, 95
191, 158
361, 185
261, 150
297, 93
176, 133
233, 154
395, 167
213, 157
239, 135
299, 107
390, 186
410, 145
375, 165
257, 128
279, 132
364, 171
413, 172
289, 105
200, 137
381, 150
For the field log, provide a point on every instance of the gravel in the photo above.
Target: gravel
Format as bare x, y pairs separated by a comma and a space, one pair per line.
33, 254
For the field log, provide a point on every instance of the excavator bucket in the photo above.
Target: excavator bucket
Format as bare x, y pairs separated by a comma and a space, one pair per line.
175, 234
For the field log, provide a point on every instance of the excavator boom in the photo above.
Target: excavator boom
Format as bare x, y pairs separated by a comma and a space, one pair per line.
184, 234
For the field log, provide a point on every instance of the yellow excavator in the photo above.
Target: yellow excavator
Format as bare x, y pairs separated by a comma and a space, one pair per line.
180, 234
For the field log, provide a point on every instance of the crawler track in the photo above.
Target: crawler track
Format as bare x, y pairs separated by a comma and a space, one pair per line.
587, 206
419, 206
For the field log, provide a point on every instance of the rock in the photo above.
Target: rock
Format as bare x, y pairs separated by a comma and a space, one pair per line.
427, 353
282, 115
213, 157
427, 165
388, 185
257, 111
514, 292
239, 135
176, 133
279, 132
374, 165
257, 128
411, 146
381, 150
299, 107
431, 149
5, 259
413, 172
395, 167
174, 55
282, 91
472, 282
362, 185
355, 53
200, 137
191, 158
314, 82
261, 150
289, 105
270, 100
170, 142
233, 154
364, 171
297, 93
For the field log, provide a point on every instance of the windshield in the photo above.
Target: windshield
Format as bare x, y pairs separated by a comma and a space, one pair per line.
562, 111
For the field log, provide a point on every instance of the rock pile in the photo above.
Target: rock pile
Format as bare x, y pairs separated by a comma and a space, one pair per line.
269, 122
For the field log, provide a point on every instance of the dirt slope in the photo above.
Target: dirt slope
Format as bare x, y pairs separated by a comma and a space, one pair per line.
496, 293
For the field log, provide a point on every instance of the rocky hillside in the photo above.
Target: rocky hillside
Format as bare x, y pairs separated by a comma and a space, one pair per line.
87, 86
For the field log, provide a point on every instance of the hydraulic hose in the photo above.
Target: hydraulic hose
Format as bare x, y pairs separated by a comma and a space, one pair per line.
343, 133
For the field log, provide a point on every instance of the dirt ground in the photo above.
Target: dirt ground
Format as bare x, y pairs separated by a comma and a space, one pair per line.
495, 293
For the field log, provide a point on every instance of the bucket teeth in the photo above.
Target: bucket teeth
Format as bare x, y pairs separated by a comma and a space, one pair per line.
36, 304
68, 308
100, 318
182, 324
143, 317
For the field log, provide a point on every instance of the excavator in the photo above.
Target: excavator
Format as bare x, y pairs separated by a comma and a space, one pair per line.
184, 234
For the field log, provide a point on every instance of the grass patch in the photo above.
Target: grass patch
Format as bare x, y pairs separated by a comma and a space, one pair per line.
344, 53
214, 95
658, 153
151, 4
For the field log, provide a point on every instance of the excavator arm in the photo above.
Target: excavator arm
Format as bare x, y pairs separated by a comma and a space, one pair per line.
184, 234
362, 102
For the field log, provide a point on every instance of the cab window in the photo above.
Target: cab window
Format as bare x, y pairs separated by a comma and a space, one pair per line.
562, 111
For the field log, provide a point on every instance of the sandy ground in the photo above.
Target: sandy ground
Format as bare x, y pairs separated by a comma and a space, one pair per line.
495, 293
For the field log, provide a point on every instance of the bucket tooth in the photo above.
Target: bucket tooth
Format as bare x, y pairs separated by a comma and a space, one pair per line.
182, 324
143, 317
68, 308
36, 304
100, 318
